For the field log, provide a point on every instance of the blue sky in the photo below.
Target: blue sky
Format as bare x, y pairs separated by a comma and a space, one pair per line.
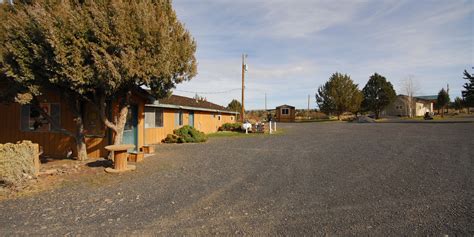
295, 46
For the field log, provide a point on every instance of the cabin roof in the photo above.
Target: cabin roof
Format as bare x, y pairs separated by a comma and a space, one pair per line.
182, 102
285, 106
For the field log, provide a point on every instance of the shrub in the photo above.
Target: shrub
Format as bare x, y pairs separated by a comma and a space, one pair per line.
233, 127
185, 134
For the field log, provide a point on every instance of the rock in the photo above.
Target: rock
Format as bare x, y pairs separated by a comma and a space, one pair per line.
49, 172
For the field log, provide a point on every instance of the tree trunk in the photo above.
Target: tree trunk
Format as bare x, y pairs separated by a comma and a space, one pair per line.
118, 124
121, 121
80, 139
81, 148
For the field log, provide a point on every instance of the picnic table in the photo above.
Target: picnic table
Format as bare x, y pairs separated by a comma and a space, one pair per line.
120, 158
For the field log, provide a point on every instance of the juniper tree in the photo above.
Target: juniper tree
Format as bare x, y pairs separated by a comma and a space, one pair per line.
468, 92
458, 104
378, 94
442, 100
235, 105
339, 95
95, 52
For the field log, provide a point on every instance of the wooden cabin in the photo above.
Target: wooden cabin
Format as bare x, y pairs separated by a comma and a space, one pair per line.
148, 122
165, 115
285, 113
24, 122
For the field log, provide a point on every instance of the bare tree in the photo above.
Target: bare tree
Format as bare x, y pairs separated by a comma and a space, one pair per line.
409, 87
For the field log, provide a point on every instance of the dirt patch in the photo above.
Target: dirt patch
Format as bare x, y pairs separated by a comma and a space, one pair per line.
55, 173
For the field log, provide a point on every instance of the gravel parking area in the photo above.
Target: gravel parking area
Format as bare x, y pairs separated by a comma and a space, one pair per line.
315, 179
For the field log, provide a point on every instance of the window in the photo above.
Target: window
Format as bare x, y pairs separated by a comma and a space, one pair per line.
153, 117
219, 117
232, 118
93, 126
285, 111
33, 120
178, 119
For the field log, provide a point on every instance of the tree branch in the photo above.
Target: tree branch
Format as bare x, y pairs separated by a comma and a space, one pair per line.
103, 116
53, 123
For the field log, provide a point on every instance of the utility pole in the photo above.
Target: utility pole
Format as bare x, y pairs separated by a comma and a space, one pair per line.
308, 106
243, 87
265, 101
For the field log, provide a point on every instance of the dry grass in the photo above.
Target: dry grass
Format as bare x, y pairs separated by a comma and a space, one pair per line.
16, 163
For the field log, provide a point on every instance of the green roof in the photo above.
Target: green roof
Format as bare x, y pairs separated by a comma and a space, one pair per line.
427, 97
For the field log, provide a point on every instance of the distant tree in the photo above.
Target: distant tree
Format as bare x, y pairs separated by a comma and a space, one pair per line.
339, 95
443, 100
235, 106
468, 92
95, 52
378, 94
410, 88
458, 104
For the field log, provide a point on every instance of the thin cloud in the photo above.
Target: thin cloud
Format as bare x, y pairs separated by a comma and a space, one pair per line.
294, 46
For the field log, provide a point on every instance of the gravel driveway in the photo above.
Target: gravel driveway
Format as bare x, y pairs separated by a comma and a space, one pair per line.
315, 179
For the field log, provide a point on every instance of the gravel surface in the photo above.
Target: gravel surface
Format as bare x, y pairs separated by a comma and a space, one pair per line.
315, 179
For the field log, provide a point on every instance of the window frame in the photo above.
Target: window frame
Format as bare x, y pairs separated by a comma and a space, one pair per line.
180, 119
155, 111
51, 128
285, 109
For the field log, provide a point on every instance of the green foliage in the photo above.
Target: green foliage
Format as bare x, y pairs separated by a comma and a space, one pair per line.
91, 47
468, 92
235, 105
339, 95
458, 103
186, 134
378, 94
96, 52
442, 101
232, 127
443, 98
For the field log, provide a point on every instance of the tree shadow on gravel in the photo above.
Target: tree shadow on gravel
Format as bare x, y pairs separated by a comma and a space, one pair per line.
100, 163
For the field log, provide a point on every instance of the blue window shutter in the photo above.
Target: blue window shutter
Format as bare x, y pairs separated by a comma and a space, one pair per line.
25, 118
56, 116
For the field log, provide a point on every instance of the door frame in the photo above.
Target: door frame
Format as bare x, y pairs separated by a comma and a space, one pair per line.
191, 114
133, 109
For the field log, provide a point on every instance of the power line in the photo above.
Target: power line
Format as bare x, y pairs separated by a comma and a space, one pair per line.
209, 92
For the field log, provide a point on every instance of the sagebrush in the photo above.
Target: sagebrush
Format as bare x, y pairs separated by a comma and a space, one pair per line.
186, 134
232, 127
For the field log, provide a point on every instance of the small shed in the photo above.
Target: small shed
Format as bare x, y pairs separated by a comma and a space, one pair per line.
285, 113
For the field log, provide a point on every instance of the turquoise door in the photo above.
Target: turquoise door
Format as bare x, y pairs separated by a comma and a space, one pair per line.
191, 119
130, 132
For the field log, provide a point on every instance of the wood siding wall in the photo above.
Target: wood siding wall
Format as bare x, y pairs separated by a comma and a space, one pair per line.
203, 121
285, 117
53, 143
